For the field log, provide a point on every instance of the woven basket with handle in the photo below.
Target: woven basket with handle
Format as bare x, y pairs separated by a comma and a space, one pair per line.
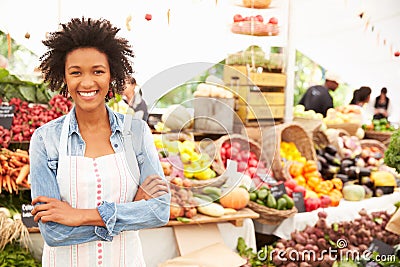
269, 215
286, 132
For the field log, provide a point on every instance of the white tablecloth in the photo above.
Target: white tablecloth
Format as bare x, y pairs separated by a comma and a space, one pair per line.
346, 211
159, 244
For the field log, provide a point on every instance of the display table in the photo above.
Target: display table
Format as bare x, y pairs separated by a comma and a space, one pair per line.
159, 244
346, 211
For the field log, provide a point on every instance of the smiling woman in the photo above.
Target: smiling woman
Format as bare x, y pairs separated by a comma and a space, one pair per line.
79, 198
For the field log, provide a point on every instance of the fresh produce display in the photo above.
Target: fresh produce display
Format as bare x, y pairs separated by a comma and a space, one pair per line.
392, 154
299, 111
14, 170
306, 176
182, 202
264, 197
381, 125
182, 159
13, 87
255, 25
343, 114
28, 117
357, 235
248, 162
211, 90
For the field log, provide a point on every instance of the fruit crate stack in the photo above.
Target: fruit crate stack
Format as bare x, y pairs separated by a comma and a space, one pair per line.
260, 95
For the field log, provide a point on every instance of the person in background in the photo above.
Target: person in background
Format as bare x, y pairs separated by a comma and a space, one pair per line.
318, 97
361, 96
134, 99
382, 105
88, 202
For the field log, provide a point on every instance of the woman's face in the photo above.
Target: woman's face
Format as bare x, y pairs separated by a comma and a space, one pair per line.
87, 75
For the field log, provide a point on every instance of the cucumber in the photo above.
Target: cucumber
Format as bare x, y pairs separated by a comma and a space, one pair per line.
212, 190
289, 201
204, 197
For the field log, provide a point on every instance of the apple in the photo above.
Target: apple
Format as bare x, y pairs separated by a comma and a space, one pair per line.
397, 54
273, 20
259, 18
148, 17
237, 18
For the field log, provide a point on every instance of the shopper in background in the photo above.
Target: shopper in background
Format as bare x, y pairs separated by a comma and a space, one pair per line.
361, 96
134, 99
87, 200
318, 97
382, 105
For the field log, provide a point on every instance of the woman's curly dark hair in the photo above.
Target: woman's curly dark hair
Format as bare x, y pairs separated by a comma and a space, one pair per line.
78, 33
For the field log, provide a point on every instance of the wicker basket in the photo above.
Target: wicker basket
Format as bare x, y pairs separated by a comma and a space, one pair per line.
257, 3
286, 132
214, 148
198, 185
271, 216
373, 143
310, 125
383, 137
351, 128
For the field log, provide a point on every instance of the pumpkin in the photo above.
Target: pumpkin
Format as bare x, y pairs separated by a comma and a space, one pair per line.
237, 198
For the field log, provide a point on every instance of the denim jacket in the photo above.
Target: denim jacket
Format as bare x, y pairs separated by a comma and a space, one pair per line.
117, 217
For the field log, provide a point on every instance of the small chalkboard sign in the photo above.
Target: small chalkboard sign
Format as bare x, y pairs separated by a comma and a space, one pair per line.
6, 116
27, 217
381, 247
298, 199
278, 190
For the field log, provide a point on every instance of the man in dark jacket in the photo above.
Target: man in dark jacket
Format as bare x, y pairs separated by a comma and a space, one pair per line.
318, 98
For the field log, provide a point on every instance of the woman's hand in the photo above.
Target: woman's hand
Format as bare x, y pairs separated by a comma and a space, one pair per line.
54, 210
152, 187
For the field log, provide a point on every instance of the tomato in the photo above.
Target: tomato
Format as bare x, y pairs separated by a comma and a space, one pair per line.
273, 20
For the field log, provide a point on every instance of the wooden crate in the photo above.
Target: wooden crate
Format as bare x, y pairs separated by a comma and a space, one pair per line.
268, 79
247, 113
232, 72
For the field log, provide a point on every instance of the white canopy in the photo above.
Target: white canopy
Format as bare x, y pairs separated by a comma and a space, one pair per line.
331, 32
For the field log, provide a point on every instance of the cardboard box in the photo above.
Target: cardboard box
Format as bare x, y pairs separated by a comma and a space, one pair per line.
214, 115
202, 246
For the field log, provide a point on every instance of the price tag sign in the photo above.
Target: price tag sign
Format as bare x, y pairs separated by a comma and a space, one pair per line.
381, 247
27, 217
298, 199
6, 116
278, 190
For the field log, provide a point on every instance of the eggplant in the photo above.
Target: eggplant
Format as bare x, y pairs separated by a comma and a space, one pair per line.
326, 175
343, 177
332, 159
323, 161
331, 150
319, 151
355, 172
345, 163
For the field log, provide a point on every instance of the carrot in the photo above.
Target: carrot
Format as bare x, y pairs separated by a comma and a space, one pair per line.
15, 171
1, 182
16, 162
14, 185
20, 156
23, 173
8, 182
22, 151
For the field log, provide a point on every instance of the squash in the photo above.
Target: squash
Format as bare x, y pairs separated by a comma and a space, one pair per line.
353, 192
211, 209
383, 178
237, 198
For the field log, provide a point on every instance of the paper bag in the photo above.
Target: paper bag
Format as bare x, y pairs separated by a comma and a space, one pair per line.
394, 223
